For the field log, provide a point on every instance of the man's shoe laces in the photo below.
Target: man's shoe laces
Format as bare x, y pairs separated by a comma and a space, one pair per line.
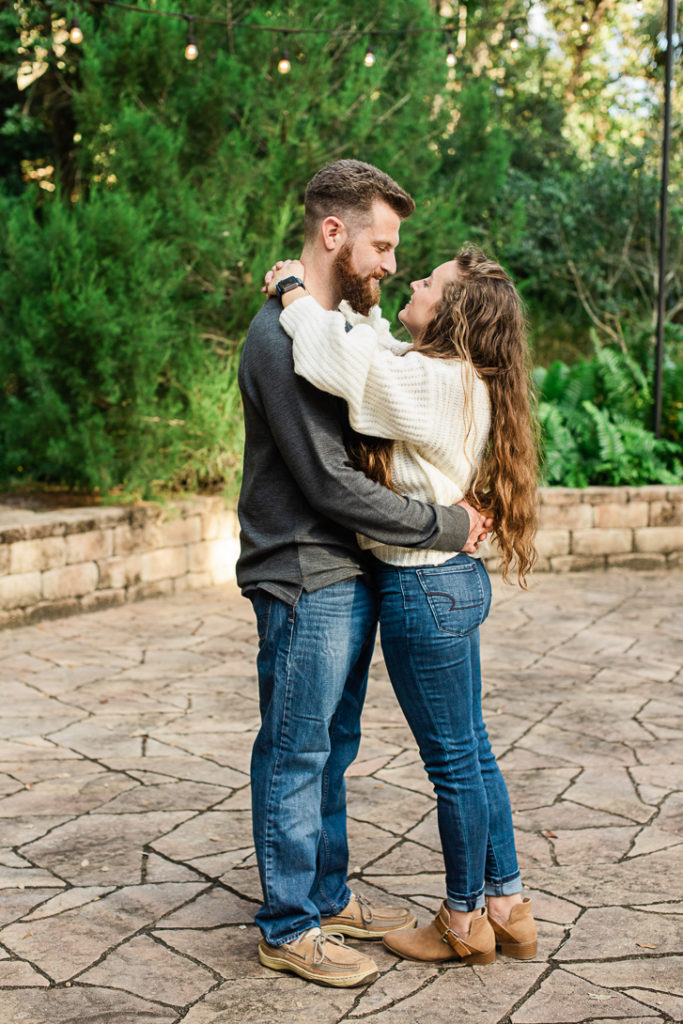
319, 941
366, 913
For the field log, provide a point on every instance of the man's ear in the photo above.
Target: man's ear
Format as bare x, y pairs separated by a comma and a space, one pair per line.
334, 233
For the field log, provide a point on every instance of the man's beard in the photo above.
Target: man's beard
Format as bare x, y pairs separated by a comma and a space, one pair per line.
362, 293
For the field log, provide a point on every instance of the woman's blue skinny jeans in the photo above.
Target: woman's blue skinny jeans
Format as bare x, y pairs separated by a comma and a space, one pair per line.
430, 618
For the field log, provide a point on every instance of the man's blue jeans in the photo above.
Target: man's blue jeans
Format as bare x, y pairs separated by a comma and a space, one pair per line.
313, 667
430, 618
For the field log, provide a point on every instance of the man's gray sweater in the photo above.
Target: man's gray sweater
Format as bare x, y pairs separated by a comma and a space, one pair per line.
301, 502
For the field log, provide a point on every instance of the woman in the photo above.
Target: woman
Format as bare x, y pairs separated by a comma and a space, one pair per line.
453, 411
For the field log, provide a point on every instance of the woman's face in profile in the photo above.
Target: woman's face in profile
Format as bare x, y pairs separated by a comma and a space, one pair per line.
426, 296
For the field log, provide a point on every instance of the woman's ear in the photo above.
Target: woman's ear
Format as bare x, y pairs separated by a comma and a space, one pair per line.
334, 233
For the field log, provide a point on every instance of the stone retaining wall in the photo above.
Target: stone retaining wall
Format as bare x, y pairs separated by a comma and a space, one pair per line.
600, 527
71, 560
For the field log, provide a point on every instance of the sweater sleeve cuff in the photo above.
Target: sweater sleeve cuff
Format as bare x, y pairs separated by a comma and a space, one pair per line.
455, 529
305, 308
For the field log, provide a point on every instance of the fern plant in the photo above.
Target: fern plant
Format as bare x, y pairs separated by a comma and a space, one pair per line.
594, 419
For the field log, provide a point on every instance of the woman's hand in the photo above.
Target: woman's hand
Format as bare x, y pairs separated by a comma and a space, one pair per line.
281, 270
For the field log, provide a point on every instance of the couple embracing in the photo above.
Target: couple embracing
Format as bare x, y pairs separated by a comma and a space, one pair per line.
373, 471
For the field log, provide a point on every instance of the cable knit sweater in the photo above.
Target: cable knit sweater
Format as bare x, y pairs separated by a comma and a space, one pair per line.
394, 392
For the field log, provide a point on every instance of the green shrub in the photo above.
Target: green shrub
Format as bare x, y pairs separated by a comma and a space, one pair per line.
596, 419
126, 291
107, 383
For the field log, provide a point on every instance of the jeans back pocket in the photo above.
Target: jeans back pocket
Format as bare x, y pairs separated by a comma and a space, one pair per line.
458, 595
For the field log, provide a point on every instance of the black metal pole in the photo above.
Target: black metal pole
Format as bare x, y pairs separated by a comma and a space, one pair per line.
663, 214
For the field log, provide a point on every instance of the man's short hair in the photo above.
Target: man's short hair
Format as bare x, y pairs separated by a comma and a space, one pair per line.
347, 189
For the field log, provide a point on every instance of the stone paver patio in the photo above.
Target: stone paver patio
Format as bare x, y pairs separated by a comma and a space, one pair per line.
127, 873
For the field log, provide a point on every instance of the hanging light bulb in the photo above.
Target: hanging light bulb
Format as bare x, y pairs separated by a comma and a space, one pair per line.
369, 58
191, 50
585, 24
514, 41
450, 57
75, 32
284, 64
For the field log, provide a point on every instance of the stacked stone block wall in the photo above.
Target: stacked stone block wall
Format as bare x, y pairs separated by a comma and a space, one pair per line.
58, 563
61, 562
608, 527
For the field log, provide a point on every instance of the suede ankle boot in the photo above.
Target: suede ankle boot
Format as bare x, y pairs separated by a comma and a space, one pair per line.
437, 943
517, 937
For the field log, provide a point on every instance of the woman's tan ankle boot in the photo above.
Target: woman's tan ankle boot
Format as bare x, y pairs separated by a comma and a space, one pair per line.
437, 943
517, 937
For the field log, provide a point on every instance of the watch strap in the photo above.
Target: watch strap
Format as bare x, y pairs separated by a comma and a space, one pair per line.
287, 284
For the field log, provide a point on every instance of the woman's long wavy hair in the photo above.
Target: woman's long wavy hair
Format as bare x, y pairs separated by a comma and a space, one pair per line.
480, 320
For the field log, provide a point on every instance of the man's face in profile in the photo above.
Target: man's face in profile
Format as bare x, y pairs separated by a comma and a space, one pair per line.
367, 257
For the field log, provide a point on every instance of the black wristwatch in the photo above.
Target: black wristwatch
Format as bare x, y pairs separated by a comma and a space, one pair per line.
287, 284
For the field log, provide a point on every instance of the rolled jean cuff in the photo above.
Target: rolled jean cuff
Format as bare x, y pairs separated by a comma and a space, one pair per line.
506, 888
475, 903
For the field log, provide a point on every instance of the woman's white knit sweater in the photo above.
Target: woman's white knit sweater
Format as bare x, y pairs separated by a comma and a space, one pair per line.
393, 391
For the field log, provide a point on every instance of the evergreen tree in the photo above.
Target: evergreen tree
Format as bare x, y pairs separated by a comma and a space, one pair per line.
142, 197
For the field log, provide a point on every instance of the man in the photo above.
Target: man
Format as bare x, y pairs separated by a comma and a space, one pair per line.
300, 507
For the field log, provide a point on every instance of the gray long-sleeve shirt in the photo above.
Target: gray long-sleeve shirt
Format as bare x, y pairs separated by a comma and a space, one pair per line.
301, 502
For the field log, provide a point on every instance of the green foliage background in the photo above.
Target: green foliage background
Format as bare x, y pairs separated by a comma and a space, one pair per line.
142, 196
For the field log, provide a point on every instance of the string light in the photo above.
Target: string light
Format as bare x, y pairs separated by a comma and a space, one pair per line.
75, 32
284, 65
450, 53
191, 50
277, 29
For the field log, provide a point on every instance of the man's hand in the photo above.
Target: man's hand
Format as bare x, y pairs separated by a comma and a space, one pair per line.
279, 271
480, 527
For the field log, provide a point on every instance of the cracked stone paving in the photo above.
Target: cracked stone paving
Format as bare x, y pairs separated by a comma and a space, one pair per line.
127, 871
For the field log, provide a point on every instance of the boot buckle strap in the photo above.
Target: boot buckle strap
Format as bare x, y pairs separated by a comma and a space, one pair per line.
452, 939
